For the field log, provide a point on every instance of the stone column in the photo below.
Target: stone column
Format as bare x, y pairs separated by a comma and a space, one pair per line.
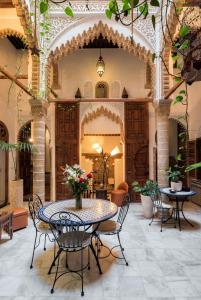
39, 112
162, 112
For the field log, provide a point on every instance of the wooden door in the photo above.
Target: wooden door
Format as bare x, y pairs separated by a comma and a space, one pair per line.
3, 167
25, 161
66, 143
136, 143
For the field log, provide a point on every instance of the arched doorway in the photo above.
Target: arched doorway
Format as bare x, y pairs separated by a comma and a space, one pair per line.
3, 166
26, 165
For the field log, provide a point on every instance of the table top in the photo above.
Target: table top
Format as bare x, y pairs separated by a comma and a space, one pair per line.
93, 210
167, 192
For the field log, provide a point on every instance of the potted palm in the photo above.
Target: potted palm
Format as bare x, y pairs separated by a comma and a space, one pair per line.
175, 175
146, 190
16, 184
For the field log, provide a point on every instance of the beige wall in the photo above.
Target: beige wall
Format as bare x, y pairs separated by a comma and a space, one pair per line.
79, 67
194, 93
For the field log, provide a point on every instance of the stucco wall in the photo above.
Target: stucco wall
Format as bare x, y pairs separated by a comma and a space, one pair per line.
79, 67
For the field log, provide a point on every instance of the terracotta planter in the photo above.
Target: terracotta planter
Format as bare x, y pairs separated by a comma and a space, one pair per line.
16, 193
147, 205
177, 186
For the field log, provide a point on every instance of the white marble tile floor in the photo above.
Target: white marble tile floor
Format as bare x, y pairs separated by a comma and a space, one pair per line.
162, 265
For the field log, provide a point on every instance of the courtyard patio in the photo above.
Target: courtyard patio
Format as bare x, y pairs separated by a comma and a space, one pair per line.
162, 265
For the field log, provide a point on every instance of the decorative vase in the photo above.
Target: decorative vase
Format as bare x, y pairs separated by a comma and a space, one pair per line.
147, 205
78, 201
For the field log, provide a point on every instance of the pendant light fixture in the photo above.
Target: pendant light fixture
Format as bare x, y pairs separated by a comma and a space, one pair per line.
100, 66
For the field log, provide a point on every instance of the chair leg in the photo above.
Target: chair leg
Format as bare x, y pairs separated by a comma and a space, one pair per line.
96, 258
122, 249
66, 259
82, 291
53, 263
45, 242
31, 266
55, 278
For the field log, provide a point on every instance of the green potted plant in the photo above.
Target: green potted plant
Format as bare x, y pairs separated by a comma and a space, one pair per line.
16, 185
146, 190
175, 176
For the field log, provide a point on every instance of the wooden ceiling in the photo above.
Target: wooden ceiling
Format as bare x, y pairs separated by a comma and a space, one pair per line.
6, 4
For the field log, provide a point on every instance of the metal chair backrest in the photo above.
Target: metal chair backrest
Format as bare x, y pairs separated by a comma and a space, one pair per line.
156, 199
62, 223
35, 203
123, 209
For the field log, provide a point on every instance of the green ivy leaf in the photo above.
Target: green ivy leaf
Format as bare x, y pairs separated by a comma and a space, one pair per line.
182, 92
185, 45
43, 7
178, 157
153, 57
184, 30
108, 13
193, 167
144, 10
177, 79
153, 19
68, 11
154, 3
135, 2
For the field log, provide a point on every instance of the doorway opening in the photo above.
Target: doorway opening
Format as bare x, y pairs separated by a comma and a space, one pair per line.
102, 151
3, 166
26, 164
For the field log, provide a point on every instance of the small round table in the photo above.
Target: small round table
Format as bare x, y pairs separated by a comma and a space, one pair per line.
93, 211
179, 197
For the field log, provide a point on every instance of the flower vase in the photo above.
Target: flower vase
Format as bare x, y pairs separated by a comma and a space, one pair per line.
78, 201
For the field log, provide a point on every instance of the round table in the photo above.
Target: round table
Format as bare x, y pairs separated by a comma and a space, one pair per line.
93, 211
178, 197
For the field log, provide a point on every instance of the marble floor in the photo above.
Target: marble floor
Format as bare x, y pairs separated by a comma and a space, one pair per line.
163, 265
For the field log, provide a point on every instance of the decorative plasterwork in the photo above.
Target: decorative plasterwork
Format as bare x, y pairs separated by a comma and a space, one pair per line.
90, 6
8, 31
25, 19
58, 24
107, 32
102, 111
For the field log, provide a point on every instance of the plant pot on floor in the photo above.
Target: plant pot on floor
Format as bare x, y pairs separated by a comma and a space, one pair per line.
16, 193
147, 205
177, 186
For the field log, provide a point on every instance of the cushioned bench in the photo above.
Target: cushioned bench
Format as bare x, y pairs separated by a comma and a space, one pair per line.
20, 218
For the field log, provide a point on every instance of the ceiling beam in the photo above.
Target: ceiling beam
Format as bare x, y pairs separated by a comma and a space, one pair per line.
6, 4
16, 77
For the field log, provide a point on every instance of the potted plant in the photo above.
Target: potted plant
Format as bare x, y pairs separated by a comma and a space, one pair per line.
146, 190
16, 185
175, 175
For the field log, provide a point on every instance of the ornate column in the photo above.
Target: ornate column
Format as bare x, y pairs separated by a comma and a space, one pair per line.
38, 109
162, 113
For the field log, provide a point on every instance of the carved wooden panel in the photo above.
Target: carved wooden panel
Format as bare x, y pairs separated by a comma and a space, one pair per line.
136, 143
66, 143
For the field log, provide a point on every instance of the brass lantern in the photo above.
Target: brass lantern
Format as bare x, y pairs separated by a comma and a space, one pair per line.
100, 66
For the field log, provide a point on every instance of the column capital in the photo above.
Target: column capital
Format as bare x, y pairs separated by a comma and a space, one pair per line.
163, 106
38, 107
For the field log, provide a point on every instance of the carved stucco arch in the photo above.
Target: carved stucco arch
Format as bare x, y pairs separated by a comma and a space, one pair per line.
102, 111
11, 32
93, 32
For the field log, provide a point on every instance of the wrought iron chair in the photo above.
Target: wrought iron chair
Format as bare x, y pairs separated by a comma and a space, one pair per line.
112, 227
162, 212
71, 235
41, 228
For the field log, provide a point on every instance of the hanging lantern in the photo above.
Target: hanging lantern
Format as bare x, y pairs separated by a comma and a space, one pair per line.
100, 66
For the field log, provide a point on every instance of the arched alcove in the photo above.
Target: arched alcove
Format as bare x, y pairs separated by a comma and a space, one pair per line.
102, 90
3, 166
